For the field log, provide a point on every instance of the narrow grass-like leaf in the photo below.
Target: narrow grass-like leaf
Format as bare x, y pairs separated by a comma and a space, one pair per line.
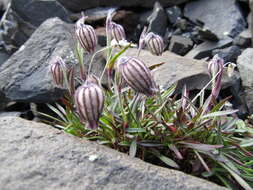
219, 113
133, 149
165, 159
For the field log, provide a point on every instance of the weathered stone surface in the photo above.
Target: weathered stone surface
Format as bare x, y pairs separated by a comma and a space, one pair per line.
174, 13
3, 57
36, 156
205, 49
158, 20
26, 77
243, 39
28, 15
4, 4
180, 45
221, 17
229, 54
248, 95
78, 5
245, 66
183, 70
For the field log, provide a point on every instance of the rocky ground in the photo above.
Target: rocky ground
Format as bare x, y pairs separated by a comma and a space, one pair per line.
32, 32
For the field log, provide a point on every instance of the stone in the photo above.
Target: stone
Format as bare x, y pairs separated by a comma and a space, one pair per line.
205, 49
3, 57
243, 39
174, 13
26, 77
4, 4
207, 34
180, 45
248, 95
158, 20
37, 156
27, 15
80, 5
181, 70
245, 66
229, 54
223, 18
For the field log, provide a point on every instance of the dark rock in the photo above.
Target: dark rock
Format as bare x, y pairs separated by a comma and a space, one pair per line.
79, 5
101, 34
174, 13
3, 57
37, 156
243, 39
248, 95
158, 20
205, 49
181, 70
208, 34
223, 18
180, 45
27, 15
25, 76
229, 54
245, 66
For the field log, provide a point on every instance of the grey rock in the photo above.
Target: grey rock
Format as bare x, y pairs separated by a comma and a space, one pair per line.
10, 114
79, 5
229, 54
245, 66
181, 70
207, 34
25, 76
180, 45
223, 18
27, 15
158, 20
174, 13
205, 49
243, 39
4, 4
3, 57
248, 95
37, 156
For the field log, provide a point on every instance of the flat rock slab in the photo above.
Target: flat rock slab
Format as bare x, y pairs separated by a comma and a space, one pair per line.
38, 157
180, 70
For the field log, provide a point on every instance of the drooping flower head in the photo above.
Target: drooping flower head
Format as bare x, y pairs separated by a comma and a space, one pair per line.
137, 75
89, 101
57, 68
215, 68
114, 30
155, 43
86, 35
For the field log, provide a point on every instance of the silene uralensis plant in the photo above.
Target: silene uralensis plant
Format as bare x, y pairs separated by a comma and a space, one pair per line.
134, 115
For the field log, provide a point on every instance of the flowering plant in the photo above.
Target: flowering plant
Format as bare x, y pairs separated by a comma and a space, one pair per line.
134, 115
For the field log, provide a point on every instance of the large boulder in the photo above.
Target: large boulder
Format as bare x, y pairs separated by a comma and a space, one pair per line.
37, 156
25, 16
78, 5
221, 17
181, 70
245, 66
26, 77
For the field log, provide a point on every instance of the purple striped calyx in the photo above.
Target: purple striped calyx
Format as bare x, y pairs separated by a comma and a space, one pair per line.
114, 30
57, 68
89, 101
86, 35
155, 43
137, 75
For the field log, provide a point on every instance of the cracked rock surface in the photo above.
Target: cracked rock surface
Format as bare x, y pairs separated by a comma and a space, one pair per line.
37, 156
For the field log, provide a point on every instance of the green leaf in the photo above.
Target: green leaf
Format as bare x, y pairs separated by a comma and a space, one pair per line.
219, 113
55, 110
136, 130
165, 159
247, 143
240, 180
133, 149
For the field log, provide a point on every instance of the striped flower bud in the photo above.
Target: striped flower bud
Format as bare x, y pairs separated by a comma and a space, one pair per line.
117, 31
216, 67
57, 67
137, 75
142, 40
89, 100
86, 35
155, 43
